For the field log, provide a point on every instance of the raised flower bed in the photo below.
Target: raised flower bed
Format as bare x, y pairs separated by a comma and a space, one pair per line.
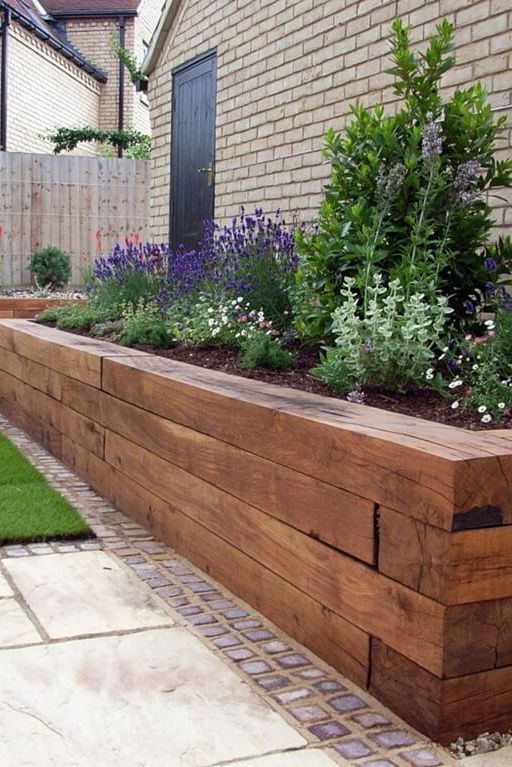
26, 307
383, 542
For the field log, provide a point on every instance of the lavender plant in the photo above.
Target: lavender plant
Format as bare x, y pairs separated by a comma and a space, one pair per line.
429, 227
254, 256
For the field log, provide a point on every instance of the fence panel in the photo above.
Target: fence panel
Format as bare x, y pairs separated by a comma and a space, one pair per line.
84, 205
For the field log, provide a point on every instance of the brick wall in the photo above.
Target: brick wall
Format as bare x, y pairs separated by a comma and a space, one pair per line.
289, 69
145, 25
45, 91
94, 37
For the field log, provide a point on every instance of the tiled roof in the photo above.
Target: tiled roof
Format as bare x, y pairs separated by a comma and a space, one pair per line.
28, 15
59, 7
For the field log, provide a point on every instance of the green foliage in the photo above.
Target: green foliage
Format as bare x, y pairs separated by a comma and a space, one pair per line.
130, 63
73, 316
211, 321
263, 350
389, 343
139, 144
114, 294
406, 196
480, 369
143, 324
51, 267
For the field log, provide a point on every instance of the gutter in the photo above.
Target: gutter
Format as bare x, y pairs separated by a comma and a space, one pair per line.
120, 98
93, 15
169, 12
67, 50
3, 78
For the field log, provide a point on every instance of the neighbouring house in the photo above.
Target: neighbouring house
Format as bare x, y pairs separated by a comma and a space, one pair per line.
58, 68
241, 94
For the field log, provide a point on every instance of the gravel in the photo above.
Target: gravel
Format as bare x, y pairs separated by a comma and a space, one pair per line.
483, 744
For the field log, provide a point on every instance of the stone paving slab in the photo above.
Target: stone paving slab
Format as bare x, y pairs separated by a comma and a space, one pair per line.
15, 626
310, 758
89, 593
5, 589
157, 698
501, 758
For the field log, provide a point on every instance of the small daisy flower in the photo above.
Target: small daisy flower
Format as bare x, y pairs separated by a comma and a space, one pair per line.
482, 409
454, 384
429, 376
475, 367
455, 405
430, 371
442, 356
489, 324
501, 405
486, 418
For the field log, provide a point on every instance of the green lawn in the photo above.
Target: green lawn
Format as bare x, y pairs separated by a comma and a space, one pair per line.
31, 510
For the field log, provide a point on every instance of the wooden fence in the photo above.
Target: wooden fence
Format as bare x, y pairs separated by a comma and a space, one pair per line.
84, 205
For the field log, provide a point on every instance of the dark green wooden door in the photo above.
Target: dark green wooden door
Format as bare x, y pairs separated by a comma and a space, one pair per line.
192, 150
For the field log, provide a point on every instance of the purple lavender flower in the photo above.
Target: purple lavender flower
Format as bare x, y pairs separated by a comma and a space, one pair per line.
469, 306
432, 141
490, 264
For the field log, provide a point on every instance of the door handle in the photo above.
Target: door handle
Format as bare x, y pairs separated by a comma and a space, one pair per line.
210, 170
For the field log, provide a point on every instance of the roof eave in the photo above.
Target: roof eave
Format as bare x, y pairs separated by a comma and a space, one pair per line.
92, 14
65, 50
163, 28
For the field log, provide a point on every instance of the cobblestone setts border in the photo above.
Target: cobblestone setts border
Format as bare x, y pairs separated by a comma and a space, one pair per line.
327, 709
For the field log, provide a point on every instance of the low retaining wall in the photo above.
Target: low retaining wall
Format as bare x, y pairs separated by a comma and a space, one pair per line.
26, 308
382, 542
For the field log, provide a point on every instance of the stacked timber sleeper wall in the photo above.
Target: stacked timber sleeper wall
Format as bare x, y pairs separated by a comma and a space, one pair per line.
382, 542
26, 308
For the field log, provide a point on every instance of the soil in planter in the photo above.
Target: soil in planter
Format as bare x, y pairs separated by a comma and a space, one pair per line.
421, 402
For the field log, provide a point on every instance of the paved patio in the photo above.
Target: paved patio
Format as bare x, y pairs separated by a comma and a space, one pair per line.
116, 651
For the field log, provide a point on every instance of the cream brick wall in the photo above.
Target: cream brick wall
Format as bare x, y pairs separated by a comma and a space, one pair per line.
145, 25
45, 91
289, 69
93, 37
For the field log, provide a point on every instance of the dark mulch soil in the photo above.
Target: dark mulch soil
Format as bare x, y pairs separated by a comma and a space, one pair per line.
422, 403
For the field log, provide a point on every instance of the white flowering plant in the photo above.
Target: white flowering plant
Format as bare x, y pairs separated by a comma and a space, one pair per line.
388, 342
477, 371
211, 320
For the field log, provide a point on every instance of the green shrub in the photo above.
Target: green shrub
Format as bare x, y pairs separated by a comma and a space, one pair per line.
390, 343
51, 267
407, 192
263, 350
144, 324
73, 316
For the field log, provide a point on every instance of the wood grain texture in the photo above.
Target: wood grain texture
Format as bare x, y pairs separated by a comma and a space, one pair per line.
31, 402
38, 376
330, 514
72, 355
391, 459
444, 709
56, 199
452, 568
406, 620
337, 641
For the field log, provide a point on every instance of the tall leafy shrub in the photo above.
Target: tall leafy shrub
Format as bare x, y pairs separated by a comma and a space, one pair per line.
408, 193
